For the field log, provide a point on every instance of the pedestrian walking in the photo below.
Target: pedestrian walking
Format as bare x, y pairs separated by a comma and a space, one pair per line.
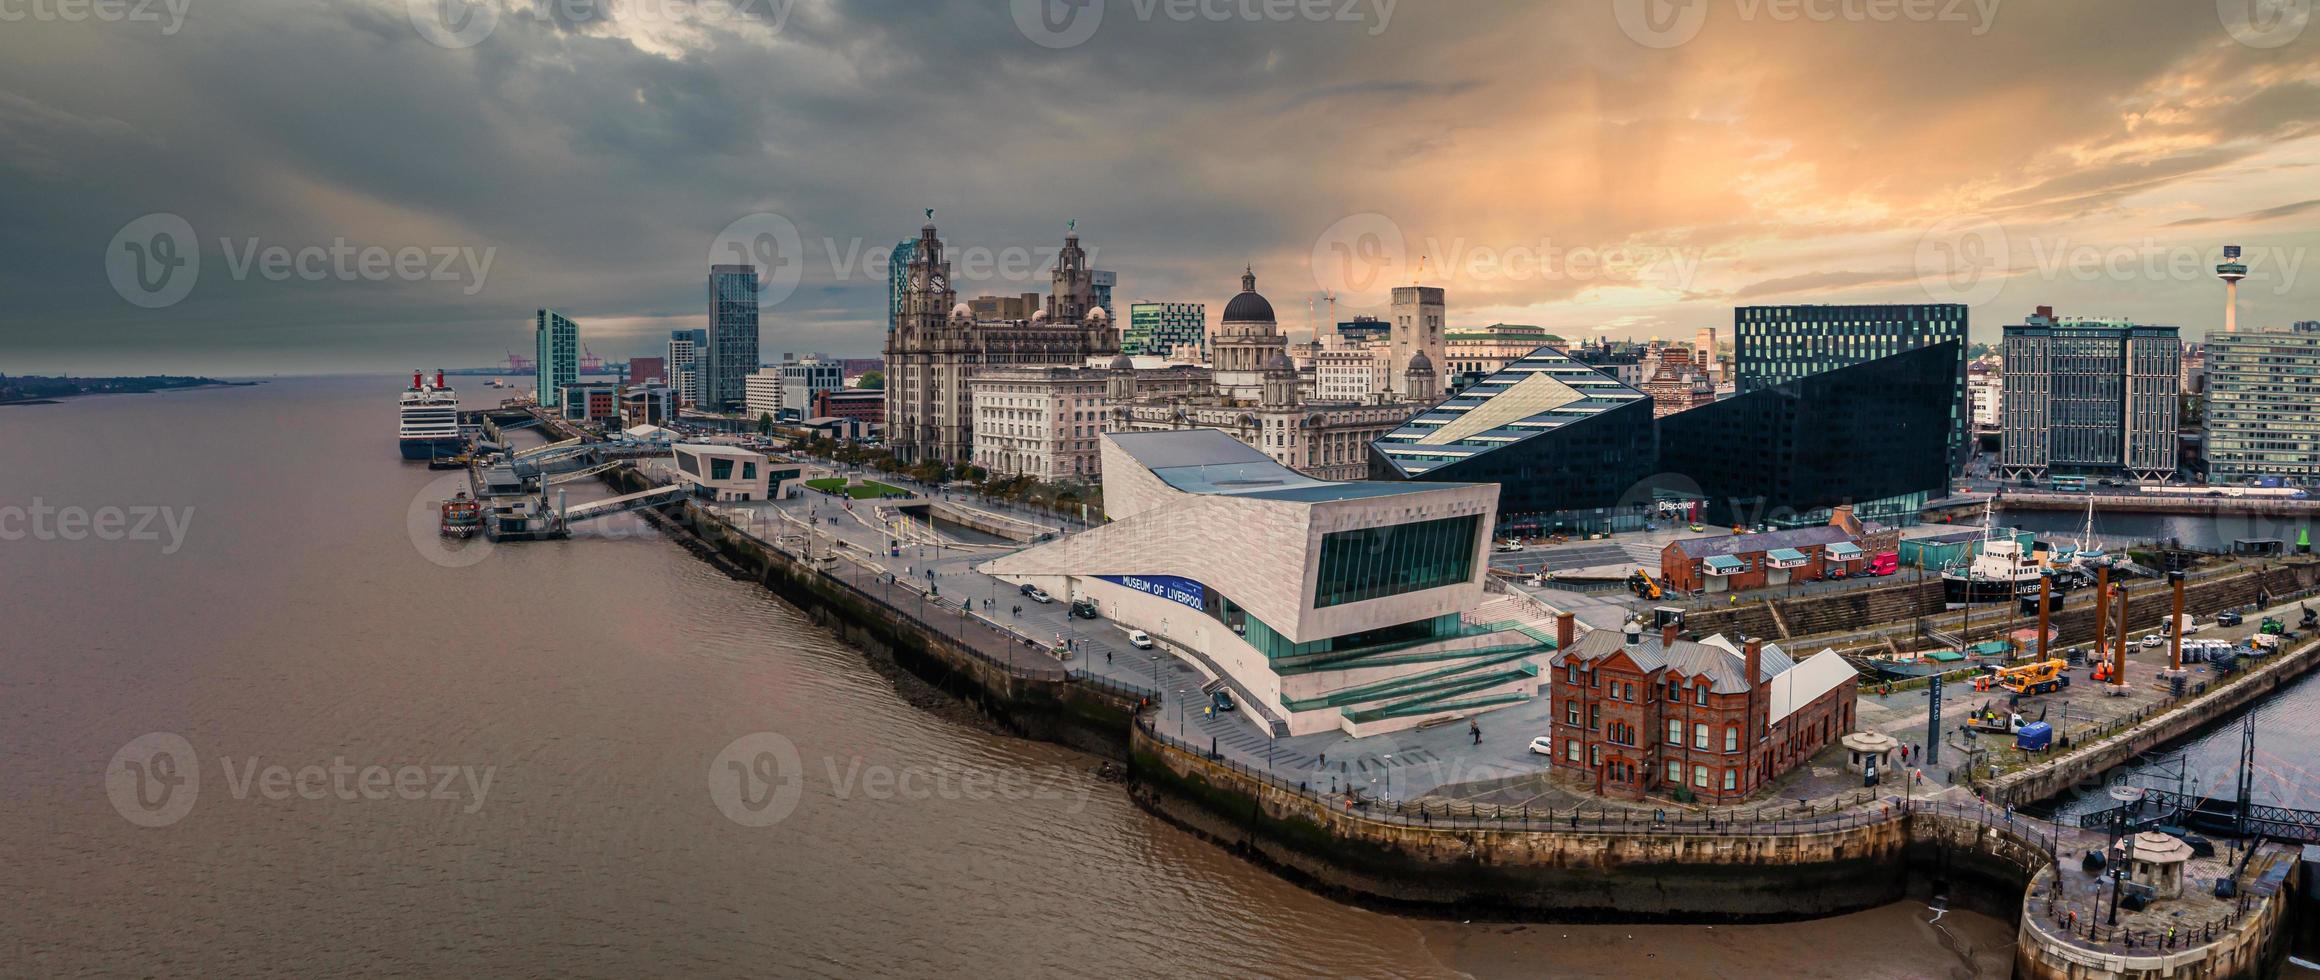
1474, 728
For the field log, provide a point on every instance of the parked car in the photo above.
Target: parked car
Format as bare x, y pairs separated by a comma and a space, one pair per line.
2228, 619
1084, 608
1506, 546
1140, 639
1028, 588
1040, 596
1543, 745
1223, 700
2154, 640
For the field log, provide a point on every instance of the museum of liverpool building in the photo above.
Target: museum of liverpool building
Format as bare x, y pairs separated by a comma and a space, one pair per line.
1574, 450
1323, 606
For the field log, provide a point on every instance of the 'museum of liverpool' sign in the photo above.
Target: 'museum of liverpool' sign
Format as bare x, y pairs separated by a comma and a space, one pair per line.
1169, 587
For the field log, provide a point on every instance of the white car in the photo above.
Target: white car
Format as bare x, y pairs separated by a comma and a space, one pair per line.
2154, 640
1140, 639
1509, 546
1543, 745
1040, 596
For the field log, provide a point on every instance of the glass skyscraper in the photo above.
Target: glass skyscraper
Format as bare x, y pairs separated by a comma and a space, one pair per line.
732, 353
898, 280
1774, 345
556, 357
686, 349
1160, 328
2262, 387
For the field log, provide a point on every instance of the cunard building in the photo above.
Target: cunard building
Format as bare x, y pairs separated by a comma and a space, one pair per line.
936, 345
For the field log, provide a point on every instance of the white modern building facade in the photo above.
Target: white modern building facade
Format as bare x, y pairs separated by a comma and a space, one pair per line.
1040, 422
761, 393
1323, 606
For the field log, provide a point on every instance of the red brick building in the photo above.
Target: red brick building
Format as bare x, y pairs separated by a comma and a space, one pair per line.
1736, 563
1639, 714
857, 404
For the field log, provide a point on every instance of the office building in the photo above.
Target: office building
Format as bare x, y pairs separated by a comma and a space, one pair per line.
1653, 714
867, 405
2089, 397
1490, 348
647, 404
556, 357
1575, 451
1353, 607
1172, 330
803, 380
1100, 286
686, 351
937, 344
1364, 330
1417, 326
1773, 345
2262, 389
1040, 422
761, 394
642, 370
1871, 436
593, 402
732, 351
898, 280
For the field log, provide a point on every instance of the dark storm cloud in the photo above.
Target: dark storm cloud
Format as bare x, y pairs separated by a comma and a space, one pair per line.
598, 148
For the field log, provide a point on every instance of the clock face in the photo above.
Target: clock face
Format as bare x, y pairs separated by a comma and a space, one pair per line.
937, 283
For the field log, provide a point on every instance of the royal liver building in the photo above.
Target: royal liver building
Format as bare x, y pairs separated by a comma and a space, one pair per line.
935, 345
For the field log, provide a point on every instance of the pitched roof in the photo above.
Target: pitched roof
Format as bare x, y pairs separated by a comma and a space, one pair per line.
1745, 544
1818, 675
1714, 658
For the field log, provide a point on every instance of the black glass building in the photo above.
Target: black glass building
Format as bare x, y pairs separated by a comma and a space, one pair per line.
1568, 446
1572, 449
1777, 344
1874, 435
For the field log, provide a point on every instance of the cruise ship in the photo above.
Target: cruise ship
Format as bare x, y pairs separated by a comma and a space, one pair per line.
430, 419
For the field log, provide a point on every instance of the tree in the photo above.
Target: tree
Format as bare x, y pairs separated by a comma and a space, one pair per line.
872, 379
765, 423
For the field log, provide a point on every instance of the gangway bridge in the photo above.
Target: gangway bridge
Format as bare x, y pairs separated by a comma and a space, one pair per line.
624, 503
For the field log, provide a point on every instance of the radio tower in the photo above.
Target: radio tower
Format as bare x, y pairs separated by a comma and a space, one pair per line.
2231, 270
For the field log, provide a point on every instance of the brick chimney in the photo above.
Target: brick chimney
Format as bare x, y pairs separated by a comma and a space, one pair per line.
1566, 630
1754, 655
1667, 634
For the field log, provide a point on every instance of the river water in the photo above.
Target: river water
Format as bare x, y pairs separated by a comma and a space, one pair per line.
397, 758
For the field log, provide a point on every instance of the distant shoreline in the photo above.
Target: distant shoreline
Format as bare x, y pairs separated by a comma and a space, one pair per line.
46, 392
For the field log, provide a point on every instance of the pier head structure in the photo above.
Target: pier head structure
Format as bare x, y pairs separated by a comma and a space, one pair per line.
1321, 606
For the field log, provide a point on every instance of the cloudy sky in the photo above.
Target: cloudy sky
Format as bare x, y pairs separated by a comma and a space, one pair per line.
254, 186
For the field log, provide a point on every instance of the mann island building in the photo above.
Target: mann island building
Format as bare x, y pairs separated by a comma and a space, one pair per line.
1355, 607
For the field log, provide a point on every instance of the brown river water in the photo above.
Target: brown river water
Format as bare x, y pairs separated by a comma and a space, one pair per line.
362, 753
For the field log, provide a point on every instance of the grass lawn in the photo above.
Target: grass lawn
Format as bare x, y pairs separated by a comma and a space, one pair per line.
866, 490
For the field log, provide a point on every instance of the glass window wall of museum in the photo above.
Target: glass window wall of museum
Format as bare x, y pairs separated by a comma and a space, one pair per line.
1371, 563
